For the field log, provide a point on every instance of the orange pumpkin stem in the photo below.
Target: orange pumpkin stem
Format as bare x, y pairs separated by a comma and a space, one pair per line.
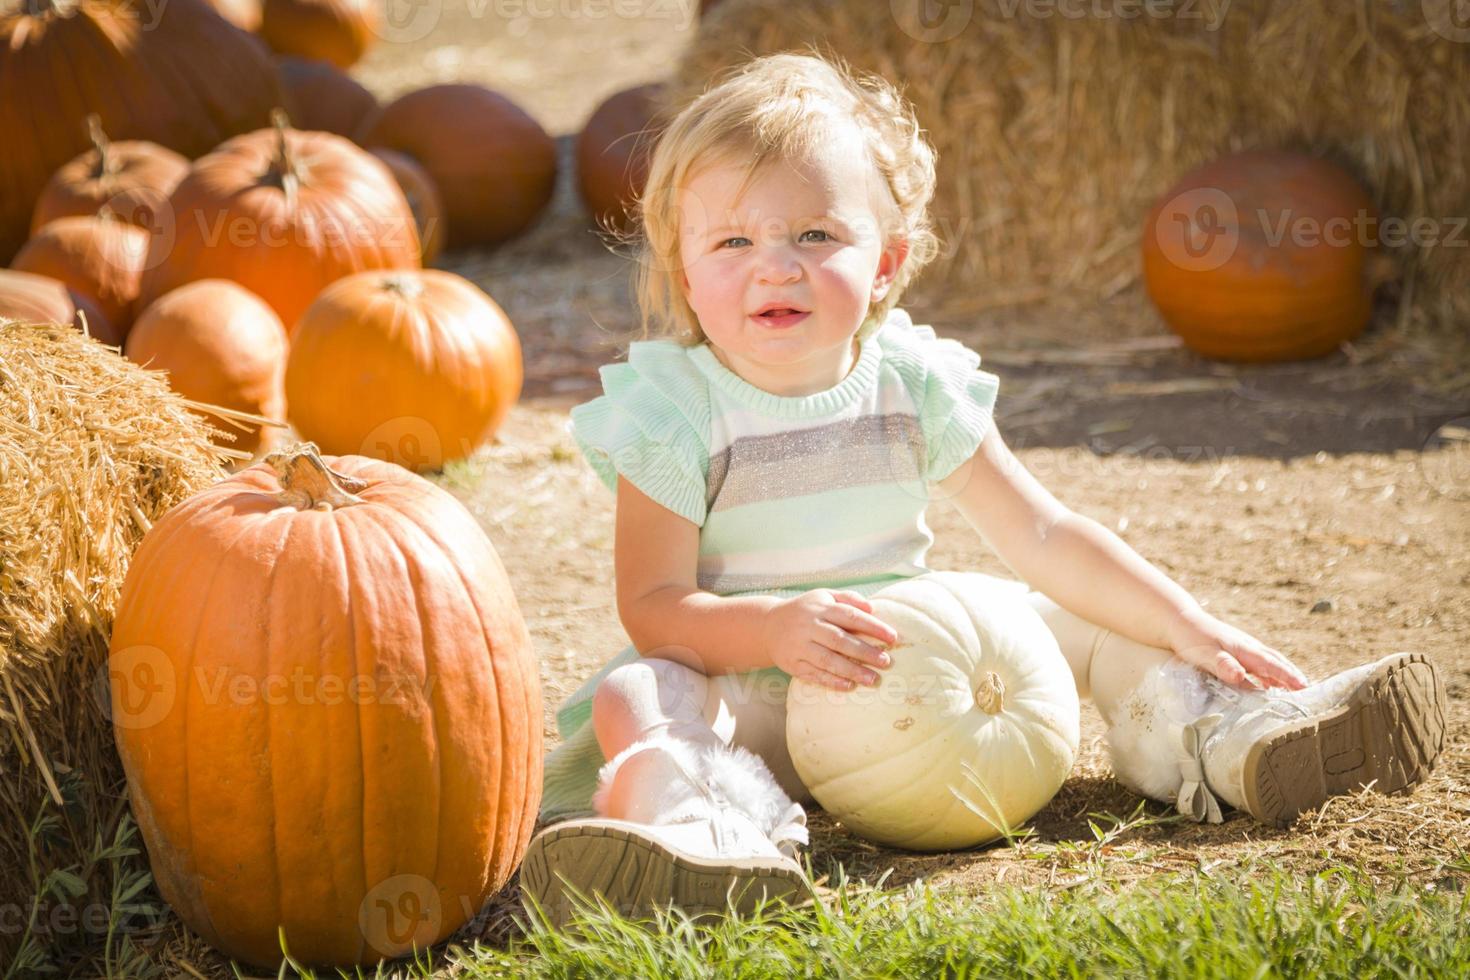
307, 483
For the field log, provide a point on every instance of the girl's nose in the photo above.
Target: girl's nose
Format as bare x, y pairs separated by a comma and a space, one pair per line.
777, 266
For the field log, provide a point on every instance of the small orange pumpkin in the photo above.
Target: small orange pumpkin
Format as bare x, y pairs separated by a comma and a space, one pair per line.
41, 299
102, 258
613, 151
328, 709
324, 98
220, 344
417, 367
284, 213
493, 164
423, 199
129, 180
335, 31
1263, 256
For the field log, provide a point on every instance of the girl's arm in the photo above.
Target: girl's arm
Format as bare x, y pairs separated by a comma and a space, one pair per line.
1093, 573
815, 635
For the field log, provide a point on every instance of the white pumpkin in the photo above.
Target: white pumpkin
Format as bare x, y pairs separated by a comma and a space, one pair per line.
971, 730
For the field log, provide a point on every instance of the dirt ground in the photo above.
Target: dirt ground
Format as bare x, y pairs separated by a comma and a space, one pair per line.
1321, 506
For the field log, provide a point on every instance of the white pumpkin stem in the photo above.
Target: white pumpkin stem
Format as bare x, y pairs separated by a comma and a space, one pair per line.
307, 483
990, 695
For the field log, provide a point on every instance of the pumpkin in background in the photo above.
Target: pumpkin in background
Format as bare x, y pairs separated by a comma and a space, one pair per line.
101, 258
176, 74
323, 98
328, 709
283, 213
494, 166
1263, 256
129, 180
335, 31
219, 344
971, 730
41, 299
423, 199
613, 151
244, 14
417, 368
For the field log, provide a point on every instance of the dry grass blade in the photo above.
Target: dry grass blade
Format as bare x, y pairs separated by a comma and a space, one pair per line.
93, 449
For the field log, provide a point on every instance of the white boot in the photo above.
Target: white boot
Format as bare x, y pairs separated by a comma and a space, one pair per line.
1185, 736
707, 824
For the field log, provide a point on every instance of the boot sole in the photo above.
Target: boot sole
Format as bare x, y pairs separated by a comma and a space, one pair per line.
634, 874
1390, 732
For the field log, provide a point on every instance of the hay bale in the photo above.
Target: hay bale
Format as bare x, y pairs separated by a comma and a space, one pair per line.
93, 449
1057, 132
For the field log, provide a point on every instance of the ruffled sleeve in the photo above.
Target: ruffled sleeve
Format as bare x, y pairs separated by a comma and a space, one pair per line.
651, 425
955, 399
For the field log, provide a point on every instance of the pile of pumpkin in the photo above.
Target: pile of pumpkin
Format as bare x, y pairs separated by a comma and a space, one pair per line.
281, 273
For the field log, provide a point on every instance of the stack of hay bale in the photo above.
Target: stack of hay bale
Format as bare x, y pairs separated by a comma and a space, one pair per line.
93, 449
1059, 123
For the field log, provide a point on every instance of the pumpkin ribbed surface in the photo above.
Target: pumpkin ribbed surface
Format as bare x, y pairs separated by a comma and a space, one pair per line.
973, 728
417, 367
1262, 256
177, 74
221, 345
284, 213
329, 715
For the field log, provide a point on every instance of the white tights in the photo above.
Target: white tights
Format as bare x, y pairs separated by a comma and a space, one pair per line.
652, 696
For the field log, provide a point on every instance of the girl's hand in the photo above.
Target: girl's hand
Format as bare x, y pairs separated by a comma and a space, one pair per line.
1232, 655
814, 636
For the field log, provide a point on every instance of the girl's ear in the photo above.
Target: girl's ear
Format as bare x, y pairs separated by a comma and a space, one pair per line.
889, 264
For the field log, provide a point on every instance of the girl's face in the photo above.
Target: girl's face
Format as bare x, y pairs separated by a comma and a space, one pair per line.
804, 237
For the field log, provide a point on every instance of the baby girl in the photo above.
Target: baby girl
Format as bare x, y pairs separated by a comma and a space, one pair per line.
772, 456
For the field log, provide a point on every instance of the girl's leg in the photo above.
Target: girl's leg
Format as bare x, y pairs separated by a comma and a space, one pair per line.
1105, 666
653, 697
1177, 734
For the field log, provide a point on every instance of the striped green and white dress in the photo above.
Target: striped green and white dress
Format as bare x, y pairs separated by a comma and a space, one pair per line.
790, 494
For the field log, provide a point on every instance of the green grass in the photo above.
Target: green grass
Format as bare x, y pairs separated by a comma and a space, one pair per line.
1335, 924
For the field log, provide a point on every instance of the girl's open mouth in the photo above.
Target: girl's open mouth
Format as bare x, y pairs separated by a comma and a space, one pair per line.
780, 318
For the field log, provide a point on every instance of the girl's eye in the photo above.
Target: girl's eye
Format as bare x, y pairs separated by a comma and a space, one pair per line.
745, 241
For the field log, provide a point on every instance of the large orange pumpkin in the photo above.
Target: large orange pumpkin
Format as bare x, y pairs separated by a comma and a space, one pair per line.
417, 368
328, 710
423, 199
177, 74
41, 299
100, 257
613, 151
283, 213
220, 344
335, 31
494, 165
324, 98
1263, 256
130, 180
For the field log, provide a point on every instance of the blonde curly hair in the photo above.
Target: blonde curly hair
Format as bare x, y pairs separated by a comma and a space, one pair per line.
768, 111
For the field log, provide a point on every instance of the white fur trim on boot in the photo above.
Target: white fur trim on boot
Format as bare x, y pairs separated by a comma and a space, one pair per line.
719, 783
